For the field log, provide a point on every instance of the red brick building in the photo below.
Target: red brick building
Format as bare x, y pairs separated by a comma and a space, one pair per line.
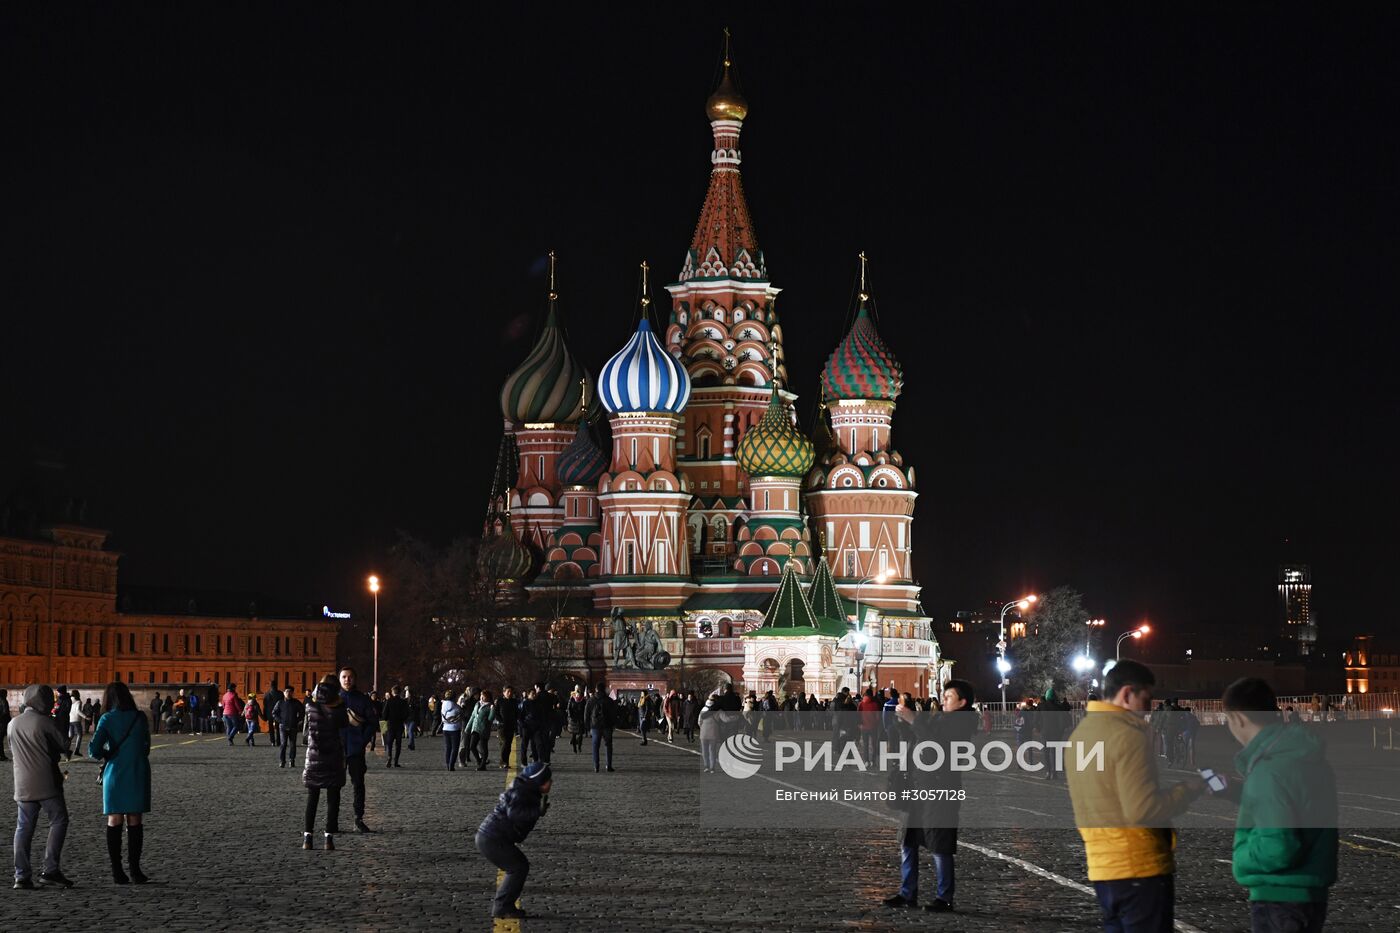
64, 619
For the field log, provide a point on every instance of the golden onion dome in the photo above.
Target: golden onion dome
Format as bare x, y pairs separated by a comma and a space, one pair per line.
726, 103
773, 447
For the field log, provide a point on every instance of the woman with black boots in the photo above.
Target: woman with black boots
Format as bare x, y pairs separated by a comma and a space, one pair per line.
577, 701
325, 758
122, 741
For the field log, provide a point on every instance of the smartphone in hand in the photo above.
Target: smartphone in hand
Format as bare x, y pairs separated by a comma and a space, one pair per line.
1216, 783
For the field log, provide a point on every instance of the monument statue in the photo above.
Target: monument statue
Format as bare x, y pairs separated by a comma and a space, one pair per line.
624, 654
648, 647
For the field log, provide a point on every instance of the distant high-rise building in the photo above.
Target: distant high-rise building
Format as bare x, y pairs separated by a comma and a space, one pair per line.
1299, 629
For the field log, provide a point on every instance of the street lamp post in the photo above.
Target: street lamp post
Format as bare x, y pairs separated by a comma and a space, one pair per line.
1003, 665
1091, 624
1138, 632
374, 588
880, 577
856, 640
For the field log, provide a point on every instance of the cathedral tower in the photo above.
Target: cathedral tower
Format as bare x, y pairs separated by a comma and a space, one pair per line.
724, 329
861, 494
542, 401
645, 563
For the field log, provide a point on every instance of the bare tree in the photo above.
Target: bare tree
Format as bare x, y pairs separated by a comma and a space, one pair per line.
446, 623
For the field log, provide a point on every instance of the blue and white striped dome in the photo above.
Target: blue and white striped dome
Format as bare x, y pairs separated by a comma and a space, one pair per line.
644, 377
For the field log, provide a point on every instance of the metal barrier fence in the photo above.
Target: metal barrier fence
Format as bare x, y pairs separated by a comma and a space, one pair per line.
1322, 707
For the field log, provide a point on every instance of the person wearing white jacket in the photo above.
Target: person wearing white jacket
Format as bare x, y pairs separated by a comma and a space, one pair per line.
451, 715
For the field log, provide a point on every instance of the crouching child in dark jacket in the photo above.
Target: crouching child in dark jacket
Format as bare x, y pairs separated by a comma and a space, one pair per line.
500, 834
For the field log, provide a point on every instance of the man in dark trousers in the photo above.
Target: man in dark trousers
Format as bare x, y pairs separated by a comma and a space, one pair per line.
500, 834
415, 716
933, 823
269, 702
288, 713
508, 715
364, 723
546, 711
525, 718
155, 714
600, 715
396, 714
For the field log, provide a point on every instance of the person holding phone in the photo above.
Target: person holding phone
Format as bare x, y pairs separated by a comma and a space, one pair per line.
1285, 849
1123, 813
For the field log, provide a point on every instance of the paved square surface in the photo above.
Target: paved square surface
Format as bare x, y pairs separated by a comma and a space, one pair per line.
623, 851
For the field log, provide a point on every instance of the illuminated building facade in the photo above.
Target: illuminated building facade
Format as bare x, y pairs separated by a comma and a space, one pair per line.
1299, 628
705, 494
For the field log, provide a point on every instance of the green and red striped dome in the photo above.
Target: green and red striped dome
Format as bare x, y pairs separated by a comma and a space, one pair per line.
550, 386
861, 366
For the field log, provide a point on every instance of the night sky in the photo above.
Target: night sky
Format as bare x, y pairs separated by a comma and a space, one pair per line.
264, 272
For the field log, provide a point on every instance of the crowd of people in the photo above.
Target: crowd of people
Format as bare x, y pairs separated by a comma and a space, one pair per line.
1285, 847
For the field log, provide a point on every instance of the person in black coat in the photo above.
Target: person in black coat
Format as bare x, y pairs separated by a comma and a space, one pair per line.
289, 715
270, 699
499, 836
545, 726
600, 716
396, 713
933, 824
508, 717
525, 718
362, 725
325, 758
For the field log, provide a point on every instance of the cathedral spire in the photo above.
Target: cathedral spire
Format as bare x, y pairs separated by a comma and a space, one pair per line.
502, 483
724, 245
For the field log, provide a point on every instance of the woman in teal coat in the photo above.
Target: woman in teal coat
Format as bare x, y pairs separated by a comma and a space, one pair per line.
123, 741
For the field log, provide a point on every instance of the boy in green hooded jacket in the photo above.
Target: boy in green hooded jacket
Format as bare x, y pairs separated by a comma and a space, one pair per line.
1285, 849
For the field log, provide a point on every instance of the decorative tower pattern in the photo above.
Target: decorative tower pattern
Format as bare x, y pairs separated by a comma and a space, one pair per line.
644, 562
724, 328
861, 495
572, 551
541, 401
776, 456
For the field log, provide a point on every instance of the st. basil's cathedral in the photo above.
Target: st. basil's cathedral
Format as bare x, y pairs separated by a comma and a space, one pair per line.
757, 553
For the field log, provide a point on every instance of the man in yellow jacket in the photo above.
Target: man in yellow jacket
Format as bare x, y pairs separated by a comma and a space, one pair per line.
1122, 812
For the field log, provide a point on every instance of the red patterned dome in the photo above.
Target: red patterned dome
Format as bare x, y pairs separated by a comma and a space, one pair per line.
862, 367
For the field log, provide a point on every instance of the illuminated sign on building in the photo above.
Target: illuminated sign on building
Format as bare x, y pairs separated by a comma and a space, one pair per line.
326, 611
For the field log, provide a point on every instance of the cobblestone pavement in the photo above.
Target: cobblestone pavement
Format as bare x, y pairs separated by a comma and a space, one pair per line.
623, 851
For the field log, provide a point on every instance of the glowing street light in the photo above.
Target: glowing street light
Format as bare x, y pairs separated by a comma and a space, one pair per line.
1083, 664
1002, 664
1090, 625
1136, 633
374, 588
880, 578
858, 640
